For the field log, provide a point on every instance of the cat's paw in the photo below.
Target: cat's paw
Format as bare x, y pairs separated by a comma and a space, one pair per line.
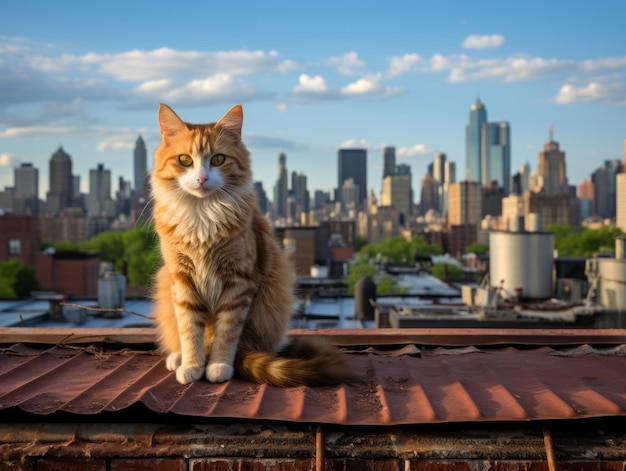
219, 372
173, 361
187, 374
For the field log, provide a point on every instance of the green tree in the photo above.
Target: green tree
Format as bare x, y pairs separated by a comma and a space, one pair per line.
581, 242
385, 284
447, 272
477, 248
17, 279
141, 256
399, 251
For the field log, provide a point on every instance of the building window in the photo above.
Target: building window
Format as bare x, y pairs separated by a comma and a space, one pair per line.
15, 247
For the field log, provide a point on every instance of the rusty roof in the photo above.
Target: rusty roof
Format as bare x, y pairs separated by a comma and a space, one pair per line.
399, 382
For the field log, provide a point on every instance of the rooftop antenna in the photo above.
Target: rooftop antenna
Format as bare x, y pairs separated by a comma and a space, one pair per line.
551, 133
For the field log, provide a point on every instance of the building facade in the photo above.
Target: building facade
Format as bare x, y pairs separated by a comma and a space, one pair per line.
61, 186
140, 160
26, 196
352, 163
473, 147
465, 203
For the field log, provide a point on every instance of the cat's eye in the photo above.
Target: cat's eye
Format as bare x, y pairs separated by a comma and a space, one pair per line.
217, 160
185, 160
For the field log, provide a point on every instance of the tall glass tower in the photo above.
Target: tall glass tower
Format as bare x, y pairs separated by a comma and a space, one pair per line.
473, 131
352, 163
141, 165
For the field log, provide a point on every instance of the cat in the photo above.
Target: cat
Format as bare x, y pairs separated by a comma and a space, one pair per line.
224, 295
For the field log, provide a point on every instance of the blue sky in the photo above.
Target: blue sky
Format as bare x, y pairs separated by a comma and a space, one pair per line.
313, 77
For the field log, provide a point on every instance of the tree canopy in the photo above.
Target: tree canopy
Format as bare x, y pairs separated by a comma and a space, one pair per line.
581, 242
16, 279
134, 252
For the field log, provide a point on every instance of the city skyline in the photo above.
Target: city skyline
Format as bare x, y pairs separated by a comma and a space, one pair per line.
405, 77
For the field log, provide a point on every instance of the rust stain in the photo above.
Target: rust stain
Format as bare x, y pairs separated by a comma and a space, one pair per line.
399, 385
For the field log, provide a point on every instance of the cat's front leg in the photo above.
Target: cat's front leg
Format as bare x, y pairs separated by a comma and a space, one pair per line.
228, 327
190, 362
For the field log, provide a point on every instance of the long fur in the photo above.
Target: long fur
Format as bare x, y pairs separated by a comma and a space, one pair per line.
224, 295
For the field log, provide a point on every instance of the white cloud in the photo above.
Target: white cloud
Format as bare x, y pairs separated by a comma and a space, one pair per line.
348, 64
309, 84
486, 41
413, 151
282, 107
364, 86
153, 86
7, 159
355, 144
401, 65
593, 92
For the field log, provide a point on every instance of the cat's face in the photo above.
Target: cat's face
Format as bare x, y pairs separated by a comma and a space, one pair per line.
202, 160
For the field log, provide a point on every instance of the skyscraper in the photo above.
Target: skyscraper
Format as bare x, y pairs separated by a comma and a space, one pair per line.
620, 195
300, 192
99, 197
473, 133
397, 192
465, 203
26, 196
280, 189
60, 191
551, 169
352, 163
389, 161
495, 161
439, 167
487, 149
141, 165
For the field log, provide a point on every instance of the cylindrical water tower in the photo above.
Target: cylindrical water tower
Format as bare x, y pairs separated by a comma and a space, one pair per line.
612, 278
521, 260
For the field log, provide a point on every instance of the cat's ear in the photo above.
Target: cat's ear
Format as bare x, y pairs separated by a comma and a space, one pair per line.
232, 121
169, 122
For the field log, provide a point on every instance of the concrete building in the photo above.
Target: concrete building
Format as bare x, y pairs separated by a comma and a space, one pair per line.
551, 169
26, 196
465, 203
60, 193
140, 161
352, 163
99, 202
397, 192
281, 187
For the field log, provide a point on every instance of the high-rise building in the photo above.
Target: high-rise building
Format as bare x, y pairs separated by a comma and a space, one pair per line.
26, 196
389, 161
99, 202
141, 165
487, 149
620, 195
604, 188
449, 173
473, 140
465, 203
439, 167
281, 189
429, 197
551, 169
60, 191
495, 161
397, 192
352, 163
300, 192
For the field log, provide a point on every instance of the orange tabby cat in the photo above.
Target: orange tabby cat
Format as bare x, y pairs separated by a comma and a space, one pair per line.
224, 295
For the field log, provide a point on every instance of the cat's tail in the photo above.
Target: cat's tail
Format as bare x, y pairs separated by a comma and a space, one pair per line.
304, 362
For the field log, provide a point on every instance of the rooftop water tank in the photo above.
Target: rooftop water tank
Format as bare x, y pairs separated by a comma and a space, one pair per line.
521, 260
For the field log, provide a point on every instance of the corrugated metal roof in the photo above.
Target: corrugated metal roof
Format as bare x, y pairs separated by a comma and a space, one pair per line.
403, 384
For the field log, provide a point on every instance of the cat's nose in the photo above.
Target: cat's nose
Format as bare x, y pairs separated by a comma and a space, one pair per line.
201, 179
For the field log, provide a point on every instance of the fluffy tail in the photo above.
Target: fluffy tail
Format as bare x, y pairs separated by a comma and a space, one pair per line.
310, 362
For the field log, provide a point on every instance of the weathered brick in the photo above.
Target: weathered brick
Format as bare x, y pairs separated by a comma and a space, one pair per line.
152, 464
71, 465
206, 464
16, 466
363, 465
